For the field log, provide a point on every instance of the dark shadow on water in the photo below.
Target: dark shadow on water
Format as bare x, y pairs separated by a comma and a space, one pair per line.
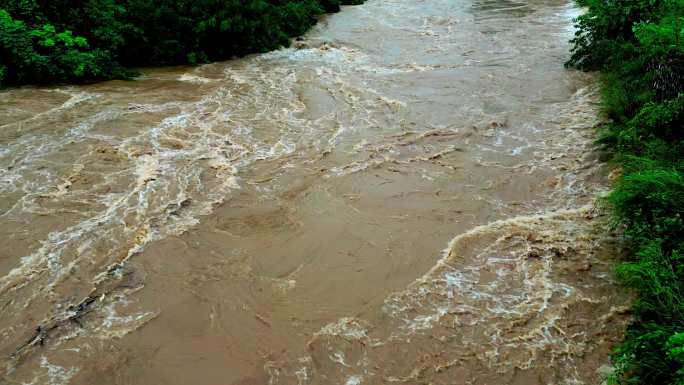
508, 12
494, 9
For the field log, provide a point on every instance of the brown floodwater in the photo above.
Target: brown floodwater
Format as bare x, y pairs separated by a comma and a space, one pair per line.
406, 195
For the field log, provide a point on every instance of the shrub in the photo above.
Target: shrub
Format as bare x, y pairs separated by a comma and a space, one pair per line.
637, 45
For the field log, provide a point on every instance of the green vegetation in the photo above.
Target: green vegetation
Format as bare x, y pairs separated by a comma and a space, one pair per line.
637, 45
69, 41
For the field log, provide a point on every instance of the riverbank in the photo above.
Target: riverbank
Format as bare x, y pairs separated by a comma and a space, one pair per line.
63, 41
638, 47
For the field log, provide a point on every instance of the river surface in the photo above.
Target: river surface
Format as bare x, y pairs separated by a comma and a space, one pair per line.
406, 195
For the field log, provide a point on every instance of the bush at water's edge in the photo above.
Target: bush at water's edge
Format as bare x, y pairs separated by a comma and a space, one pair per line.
72, 41
638, 47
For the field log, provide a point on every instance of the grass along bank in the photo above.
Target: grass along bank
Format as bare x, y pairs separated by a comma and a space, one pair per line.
73, 41
637, 46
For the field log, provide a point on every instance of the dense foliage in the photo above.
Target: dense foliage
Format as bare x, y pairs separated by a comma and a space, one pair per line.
638, 46
65, 40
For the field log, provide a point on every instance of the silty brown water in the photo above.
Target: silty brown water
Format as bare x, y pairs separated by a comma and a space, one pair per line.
404, 196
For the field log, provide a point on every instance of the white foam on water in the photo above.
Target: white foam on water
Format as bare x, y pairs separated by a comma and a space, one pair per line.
53, 374
195, 79
115, 325
349, 328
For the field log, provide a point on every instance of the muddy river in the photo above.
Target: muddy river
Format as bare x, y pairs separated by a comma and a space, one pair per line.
406, 195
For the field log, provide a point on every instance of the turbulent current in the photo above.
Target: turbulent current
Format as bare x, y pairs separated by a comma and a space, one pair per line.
406, 195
